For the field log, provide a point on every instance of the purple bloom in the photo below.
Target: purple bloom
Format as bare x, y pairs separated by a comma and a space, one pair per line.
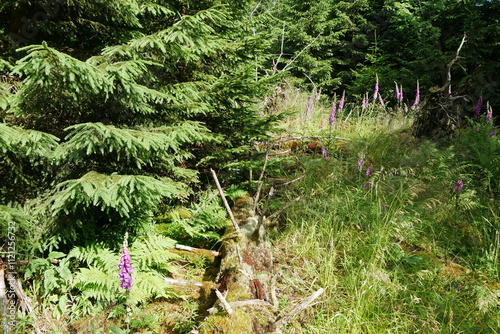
381, 101
368, 171
397, 91
492, 134
332, 114
375, 92
365, 101
489, 114
360, 164
417, 97
478, 107
400, 93
460, 186
342, 101
309, 106
367, 185
125, 267
325, 153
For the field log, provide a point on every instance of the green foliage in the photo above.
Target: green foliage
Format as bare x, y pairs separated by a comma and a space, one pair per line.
200, 222
97, 277
410, 252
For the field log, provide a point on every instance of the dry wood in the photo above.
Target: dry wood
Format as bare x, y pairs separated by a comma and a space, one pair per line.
295, 200
196, 250
224, 302
226, 204
299, 308
311, 137
181, 282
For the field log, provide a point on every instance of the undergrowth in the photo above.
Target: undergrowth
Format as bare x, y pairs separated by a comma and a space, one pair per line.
386, 229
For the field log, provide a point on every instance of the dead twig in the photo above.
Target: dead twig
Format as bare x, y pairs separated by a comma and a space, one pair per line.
295, 200
299, 308
192, 249
226, 204
224, 302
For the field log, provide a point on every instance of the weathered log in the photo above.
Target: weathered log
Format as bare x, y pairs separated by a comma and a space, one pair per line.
245, 302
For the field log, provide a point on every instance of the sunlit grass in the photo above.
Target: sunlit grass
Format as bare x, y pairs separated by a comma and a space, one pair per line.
404, 255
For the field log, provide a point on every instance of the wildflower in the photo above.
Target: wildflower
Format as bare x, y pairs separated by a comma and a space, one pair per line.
397, 91
319, 95
417, 97
365, 101
478, 107
367, 185
342, 101
492, 134
460, 186
368, 171
324, 152
309, 106
489, 114
360, 164
332, 114
125, 266
375, 92
380, 100
400, 93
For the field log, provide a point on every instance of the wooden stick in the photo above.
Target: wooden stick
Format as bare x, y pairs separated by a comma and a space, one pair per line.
299, 308
181, 282
192, 249
311, 137
295, 200
226, 204
224, 302
259, 187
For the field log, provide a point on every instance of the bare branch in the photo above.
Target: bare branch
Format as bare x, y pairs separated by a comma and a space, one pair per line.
224, 302
226, 204
299, 308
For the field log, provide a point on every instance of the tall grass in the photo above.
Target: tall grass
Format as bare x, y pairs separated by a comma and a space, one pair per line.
400, 250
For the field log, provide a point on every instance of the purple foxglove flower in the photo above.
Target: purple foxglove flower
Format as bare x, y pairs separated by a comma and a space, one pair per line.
319, 95
375, 92
125, 267
332, 114
401, 93
368, 171
460, 186
367, 185
479, 104
342, 101
360, 164
309, 106
380, 100
492, 134
397, 91
417, 97
324, 152
365, 101
489, 114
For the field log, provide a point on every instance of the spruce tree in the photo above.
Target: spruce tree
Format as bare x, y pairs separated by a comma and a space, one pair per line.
124, 123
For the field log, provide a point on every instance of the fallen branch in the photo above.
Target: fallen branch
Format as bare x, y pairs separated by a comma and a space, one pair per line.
226, 204
196, 250
224, 302
295, 200
299, 308
260, 183
181, 282
311, 137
